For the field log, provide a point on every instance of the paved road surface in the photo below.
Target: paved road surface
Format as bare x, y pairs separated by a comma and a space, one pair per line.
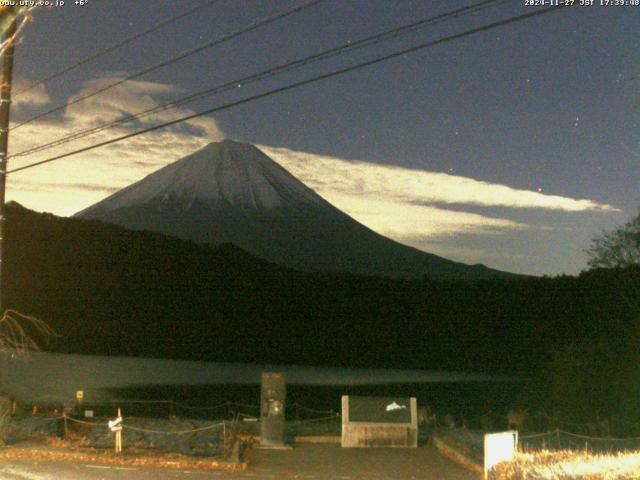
304, 462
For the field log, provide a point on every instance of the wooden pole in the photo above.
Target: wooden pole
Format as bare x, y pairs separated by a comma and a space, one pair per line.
119, 434
5, 109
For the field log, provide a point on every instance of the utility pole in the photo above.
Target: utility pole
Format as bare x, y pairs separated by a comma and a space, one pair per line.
5, 109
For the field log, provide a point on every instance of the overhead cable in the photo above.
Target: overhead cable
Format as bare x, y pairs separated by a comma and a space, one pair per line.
271, 72
291, 86
112, 48
177, 58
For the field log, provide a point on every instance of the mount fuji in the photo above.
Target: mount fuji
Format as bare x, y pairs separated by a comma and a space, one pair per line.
231, 192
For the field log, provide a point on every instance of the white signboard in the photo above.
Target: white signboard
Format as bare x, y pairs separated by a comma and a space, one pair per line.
499, 447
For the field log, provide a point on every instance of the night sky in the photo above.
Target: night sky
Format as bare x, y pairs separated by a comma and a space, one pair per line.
512, 147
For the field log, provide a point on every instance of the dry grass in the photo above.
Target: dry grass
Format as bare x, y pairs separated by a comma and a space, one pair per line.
570, 465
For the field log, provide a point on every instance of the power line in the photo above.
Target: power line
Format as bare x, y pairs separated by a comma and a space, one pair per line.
301, 83
326, 54
181, 56
115, 46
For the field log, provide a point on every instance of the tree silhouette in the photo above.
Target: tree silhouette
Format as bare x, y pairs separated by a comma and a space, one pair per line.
18, 334
619, 248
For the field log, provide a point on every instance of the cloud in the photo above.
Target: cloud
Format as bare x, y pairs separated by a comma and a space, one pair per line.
58, 186
413, 186
129, 97
406, 222
68, 185
406, 204
35, 97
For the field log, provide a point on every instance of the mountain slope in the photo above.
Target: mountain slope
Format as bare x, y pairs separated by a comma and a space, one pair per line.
230, 192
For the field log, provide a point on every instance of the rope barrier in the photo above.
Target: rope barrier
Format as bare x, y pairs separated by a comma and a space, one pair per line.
240, 414
190, 407
228, 403
549, 418
244, 405
146, 430
140, 429
611, 439
332, 415
52, 419
536, 435
132, 402
319, 419
554, 434
81, 421
302, 407
174, 432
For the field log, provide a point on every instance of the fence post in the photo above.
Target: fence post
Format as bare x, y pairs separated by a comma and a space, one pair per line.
119, 435
66, 431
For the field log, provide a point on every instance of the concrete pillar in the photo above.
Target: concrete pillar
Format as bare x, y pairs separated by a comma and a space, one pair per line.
272, 409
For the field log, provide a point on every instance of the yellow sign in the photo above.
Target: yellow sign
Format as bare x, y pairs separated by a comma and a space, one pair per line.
79, 395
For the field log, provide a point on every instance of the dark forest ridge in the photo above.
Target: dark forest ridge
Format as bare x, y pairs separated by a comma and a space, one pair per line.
113, 291
231, 192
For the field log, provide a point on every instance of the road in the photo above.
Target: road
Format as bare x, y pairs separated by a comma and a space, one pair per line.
304, 462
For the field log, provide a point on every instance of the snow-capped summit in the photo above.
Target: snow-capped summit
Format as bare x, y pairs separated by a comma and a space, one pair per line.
231, 192
226, 173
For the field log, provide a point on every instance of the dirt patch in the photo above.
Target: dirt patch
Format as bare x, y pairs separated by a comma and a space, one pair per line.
63, 451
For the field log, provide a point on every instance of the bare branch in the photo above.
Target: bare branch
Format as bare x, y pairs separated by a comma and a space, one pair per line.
17, 330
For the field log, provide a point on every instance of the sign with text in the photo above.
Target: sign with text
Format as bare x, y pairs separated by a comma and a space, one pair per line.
379, 422
380, 409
